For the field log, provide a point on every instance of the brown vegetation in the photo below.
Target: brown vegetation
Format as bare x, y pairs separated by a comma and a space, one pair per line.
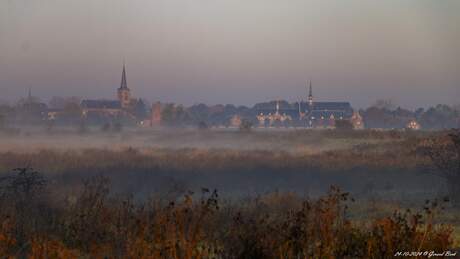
444, 153
198, 226
52, 215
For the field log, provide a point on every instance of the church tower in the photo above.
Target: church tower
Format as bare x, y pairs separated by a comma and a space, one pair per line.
124, 95
310, 96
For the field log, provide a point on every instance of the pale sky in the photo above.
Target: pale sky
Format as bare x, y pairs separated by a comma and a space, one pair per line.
233, 51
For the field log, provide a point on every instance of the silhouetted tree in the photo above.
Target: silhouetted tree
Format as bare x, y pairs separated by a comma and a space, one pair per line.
343, 125
245, 126
440, 117
199, 112
140, 109
444, 152
21, 197
202, 125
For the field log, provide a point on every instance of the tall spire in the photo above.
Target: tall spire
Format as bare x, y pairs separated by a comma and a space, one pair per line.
310, 94
123, 92
124, 84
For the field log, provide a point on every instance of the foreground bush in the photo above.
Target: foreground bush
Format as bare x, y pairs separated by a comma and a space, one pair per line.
99, 225
444, 152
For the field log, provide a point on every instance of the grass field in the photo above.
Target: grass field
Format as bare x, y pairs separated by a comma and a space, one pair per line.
271, 171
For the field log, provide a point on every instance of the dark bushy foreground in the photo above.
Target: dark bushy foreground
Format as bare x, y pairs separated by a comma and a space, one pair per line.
95, 224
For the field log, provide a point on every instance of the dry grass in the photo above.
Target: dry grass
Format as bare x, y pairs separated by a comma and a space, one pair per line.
295, 141
97, 225
53, 215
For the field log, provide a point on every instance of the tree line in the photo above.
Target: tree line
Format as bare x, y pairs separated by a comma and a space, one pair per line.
383, 114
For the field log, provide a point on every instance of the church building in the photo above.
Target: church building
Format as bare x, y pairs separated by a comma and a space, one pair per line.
308, 113
325, 114
125, 107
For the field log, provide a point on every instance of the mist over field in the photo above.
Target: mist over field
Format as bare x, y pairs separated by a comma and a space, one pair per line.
175, 181
229, 129
307, 162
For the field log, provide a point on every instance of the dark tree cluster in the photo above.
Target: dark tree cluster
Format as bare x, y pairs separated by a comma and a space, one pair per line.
383, 114
444, 153
438, 117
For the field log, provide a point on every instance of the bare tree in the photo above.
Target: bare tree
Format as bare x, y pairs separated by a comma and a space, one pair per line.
444, 153
21, 198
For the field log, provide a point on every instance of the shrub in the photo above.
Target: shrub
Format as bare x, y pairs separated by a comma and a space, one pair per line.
444, 153
99, 226
245, 126
343, 125
202, 125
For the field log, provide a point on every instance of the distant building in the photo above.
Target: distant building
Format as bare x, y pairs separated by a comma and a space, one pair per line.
307, 113
276, 118
155, 116
124, 107
124, 95
30, 110
413, 125
109, 107
324, 114
53, 114
357, 121
235, 121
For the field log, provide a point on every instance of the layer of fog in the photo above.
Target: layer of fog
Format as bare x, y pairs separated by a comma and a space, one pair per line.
382, 183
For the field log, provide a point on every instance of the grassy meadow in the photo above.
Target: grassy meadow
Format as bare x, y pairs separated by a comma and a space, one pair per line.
221, 194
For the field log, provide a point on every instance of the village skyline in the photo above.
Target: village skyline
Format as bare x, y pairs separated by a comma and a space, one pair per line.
203, 129
308, 112
377, 101
238, 52
372, 101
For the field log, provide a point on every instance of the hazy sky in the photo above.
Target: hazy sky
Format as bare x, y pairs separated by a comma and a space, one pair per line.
233, 51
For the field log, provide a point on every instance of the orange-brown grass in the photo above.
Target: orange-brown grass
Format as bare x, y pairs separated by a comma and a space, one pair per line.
199, 225
400, 155
40, 220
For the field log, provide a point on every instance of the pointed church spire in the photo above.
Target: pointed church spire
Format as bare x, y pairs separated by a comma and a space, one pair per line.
310, 94
124, 84
123, 92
